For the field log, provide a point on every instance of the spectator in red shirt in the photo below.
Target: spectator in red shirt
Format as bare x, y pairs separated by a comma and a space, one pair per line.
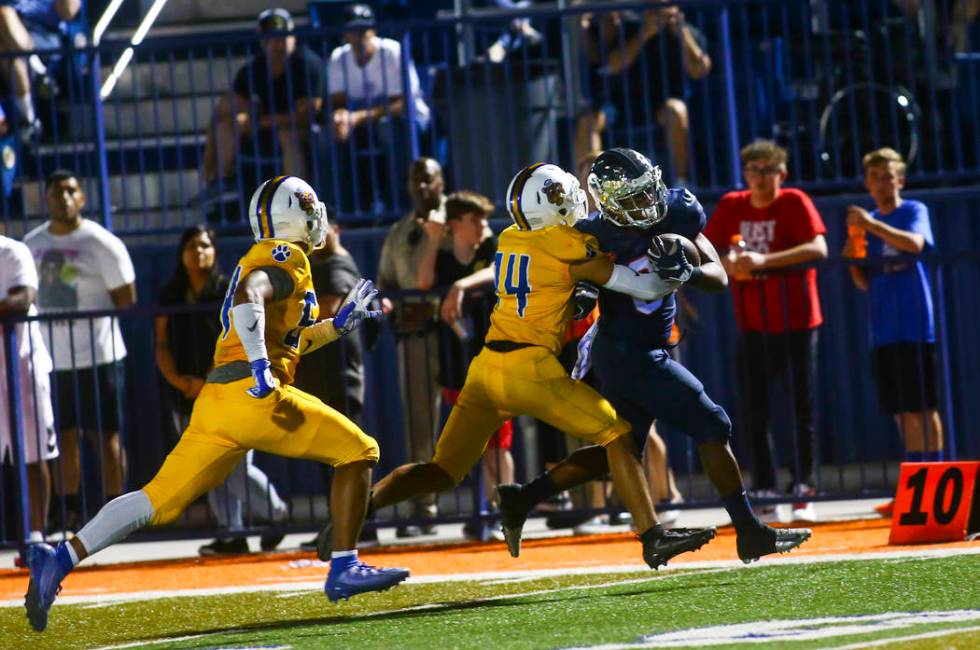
777, 314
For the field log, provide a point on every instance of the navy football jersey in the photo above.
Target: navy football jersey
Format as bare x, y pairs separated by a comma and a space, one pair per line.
647, 324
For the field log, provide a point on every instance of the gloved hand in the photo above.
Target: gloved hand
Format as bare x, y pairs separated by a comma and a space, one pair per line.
265, 383
355, 309
585, 298
584, 361
669, 260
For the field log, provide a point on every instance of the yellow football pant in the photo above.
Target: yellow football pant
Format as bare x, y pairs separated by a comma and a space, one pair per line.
226, 423
529, 381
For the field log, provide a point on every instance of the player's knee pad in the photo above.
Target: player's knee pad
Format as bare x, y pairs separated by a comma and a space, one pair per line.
618, 428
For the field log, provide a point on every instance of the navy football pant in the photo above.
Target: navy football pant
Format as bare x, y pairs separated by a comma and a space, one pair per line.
646, 385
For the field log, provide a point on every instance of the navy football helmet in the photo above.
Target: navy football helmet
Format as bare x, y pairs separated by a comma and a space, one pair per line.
628, 189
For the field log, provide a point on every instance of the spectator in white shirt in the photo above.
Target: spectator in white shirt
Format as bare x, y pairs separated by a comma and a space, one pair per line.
38, 444
83, 267
369, 107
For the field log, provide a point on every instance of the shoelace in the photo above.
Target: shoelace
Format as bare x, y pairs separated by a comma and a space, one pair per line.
365, 569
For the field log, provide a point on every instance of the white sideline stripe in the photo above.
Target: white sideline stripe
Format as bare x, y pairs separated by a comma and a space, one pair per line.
428, 606
139, 644
531, 574
902, 639
783, 631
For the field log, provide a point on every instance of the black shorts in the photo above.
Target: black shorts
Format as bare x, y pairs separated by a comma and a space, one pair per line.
906, 375
92, 411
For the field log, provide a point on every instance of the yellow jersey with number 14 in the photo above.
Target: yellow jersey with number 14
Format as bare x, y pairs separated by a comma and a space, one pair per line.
534, 284
284, 317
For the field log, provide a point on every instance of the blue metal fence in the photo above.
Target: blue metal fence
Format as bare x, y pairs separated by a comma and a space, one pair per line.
828, 85
688, 88
857, 444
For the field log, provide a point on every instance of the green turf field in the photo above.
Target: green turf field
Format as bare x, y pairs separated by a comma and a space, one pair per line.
569, 611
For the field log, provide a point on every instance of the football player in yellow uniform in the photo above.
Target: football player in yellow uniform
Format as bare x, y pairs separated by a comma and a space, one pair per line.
539, 260
269, 318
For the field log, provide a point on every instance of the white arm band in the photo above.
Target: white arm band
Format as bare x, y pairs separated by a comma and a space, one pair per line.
248, 319
316, 336
644, 286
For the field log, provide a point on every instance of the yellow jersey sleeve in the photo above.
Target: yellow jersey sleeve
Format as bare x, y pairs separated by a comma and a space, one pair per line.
293, 308
572, 246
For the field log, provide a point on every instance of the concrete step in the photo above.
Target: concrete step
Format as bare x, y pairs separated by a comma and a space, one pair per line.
149, 119
185, 73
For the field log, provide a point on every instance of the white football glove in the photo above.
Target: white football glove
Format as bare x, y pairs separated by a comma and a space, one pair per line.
354, 309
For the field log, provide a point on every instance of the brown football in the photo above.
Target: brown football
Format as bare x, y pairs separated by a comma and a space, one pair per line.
690, 250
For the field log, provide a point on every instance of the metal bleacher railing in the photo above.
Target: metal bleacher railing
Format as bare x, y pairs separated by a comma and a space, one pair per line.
828, 85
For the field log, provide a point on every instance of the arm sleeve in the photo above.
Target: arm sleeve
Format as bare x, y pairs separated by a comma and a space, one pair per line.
717, 228
386, 270
241, 85
921, 225
575, 246
335, 73
807, 224
312, 78
24, 271
117, 267
691, 217
487, 250
391, 69
644, 286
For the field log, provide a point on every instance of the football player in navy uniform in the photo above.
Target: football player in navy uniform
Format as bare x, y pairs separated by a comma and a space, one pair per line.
636, 373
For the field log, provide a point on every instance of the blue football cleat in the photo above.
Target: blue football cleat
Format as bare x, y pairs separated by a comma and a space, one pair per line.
47, 573
361, 578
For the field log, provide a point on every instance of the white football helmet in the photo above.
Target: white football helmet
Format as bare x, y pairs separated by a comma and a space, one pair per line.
544, 195
287, 208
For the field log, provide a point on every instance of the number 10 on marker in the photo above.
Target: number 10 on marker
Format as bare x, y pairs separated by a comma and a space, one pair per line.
934, 502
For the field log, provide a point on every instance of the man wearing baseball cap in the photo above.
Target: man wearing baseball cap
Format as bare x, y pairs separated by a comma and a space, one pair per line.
365, 86
275, 95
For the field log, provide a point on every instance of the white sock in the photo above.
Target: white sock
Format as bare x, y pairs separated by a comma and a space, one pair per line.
35, 537
72, 554
338, 554
116, 521
25, 106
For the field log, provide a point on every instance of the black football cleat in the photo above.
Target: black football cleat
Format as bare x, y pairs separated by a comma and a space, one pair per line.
658, 548
513, 514
767, 540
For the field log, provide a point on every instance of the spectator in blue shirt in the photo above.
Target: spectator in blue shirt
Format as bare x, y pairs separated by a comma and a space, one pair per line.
27, 25
903, 333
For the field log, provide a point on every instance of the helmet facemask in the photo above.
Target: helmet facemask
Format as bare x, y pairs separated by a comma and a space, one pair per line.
318, 226
571, 201
639, 202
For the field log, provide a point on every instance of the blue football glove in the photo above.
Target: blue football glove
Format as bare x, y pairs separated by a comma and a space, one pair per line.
265, 383
669, 260
355, 309
585, 297
584, 361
